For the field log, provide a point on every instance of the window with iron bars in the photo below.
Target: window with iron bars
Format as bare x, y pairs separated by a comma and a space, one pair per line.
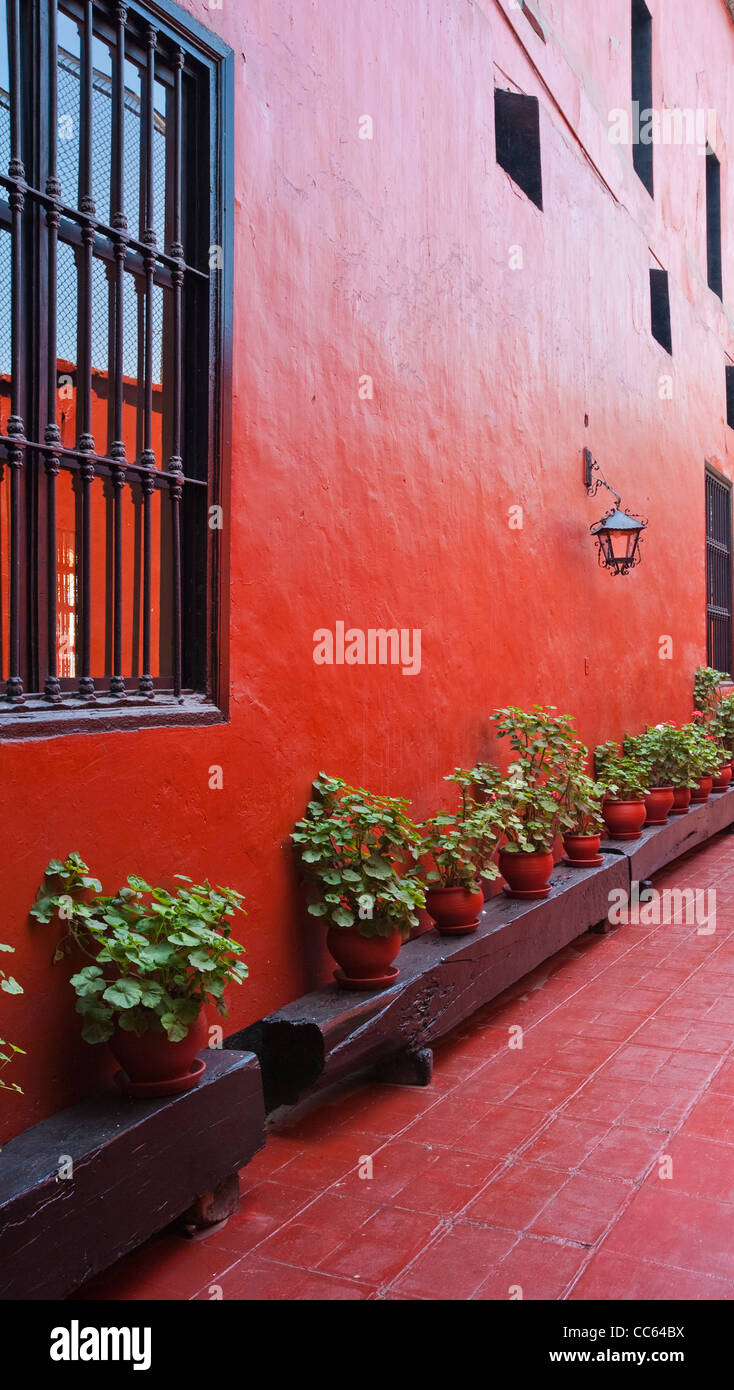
114, 320
718, 573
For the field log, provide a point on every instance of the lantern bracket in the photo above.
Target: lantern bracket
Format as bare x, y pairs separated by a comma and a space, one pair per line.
615, 523
593, 484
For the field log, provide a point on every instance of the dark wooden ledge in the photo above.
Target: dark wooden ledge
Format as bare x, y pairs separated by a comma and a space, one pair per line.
662, 844
330, 1033
137, 1165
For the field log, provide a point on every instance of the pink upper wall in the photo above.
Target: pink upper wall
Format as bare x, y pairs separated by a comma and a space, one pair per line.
391, 257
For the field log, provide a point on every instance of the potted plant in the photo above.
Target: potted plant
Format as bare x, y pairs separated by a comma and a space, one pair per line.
360, 854
725, 719
458, 850
624, 780
9, 985
531, 803
157, 959
584, 823
707, 757
721, 727
672, 763
654, 752
708, 700
706, 694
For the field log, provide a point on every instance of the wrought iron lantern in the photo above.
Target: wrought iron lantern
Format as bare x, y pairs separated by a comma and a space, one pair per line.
618, 534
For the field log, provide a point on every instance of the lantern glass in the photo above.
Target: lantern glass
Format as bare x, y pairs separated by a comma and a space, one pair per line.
619, 538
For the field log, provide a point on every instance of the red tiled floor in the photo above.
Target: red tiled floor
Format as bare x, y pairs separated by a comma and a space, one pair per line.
626, 1151
380, 1249
535, 1172
674, 1229
516, 1196
610, 1276
533, 1269
582, 1209
456, 1265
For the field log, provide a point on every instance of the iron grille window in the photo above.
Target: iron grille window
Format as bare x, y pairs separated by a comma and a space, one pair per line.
713, 223
642, 152
112, 365
718, 573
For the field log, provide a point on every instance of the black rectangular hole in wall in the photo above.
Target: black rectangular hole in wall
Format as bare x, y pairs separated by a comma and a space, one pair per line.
730, 397
660, 309
517, 141
642, 88
713, 223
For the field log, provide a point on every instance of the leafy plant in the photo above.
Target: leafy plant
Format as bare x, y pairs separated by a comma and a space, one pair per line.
10, 986
707, 756
485, 780
668, 754
724, 723
459, 848
533, 800
706, 684
360, 853
624, 776
582, 802
157, 957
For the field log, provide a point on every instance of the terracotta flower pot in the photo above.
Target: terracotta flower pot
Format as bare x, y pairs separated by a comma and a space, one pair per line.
722, 778
364, 958
658, 804
703, 791
624, 819
153, 1060
582, 849
454, 910
527, 875
681, 801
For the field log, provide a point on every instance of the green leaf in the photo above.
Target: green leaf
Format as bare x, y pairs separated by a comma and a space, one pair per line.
201, 961
11, 986
134, 1021
97, 1030
124, 993
151, 993
88, 981
377, 868
137, 883
342, 917
175, 1028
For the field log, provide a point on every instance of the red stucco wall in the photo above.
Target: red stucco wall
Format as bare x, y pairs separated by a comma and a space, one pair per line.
391, 257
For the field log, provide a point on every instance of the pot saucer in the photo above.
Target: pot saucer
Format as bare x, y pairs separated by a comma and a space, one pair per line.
172, 1086
584, 863
374, 982
527, 892
458, 931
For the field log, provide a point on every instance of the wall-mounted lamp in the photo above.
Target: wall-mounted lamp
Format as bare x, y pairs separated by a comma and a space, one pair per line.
618, 533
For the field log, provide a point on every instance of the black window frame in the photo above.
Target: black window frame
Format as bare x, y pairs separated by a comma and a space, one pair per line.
714, 264
660, 323
517, 141
718, 570
642, 90
200, 694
